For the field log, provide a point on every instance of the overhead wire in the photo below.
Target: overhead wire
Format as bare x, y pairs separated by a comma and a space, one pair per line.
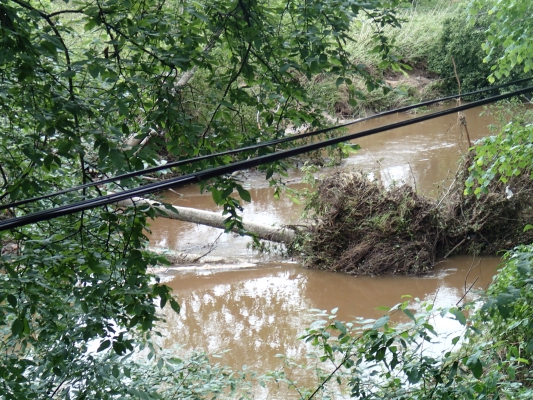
255, 146
230, 168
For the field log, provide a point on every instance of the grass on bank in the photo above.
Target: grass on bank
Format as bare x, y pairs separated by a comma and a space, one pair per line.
421, 28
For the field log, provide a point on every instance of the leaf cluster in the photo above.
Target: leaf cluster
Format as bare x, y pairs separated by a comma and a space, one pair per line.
501, 157
460, 43
507, 46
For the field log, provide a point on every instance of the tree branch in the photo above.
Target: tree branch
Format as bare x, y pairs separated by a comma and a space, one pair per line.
52, 25
232, 80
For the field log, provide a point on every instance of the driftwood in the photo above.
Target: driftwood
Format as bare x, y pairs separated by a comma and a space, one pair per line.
365, 228
280, 234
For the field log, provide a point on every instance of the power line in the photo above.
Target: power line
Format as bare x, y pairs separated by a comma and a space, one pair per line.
227, 169
255, 146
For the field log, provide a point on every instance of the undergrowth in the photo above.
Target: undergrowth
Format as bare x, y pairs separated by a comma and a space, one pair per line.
421, 28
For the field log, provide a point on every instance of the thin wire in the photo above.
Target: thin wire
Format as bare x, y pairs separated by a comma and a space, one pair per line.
253, 147
227, 169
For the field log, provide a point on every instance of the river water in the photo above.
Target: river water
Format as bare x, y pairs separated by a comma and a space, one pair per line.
258, 312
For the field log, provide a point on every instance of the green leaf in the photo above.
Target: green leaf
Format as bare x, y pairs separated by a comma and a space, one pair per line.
244, 194
26, 329
12, 300
69, 74
475, 365
103, 151
340, 327
394, 362
123, 108
119, 347
174, 305
529, 347
453, 372
217, 196
104, 345
459, 315
413, 375
381, 322
116, 158
409, 314
284, 68
17, 327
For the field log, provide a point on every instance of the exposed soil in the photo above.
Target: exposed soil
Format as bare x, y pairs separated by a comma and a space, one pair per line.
416, 85
363, 228
417, 78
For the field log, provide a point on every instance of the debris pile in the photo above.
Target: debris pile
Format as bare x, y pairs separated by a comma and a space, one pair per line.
363, 228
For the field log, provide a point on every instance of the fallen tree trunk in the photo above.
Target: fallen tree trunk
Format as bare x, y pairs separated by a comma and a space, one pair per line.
280, 234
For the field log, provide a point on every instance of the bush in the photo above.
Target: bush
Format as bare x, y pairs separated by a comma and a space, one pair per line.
461, 42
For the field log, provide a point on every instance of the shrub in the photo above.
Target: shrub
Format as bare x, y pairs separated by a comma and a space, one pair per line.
460, 42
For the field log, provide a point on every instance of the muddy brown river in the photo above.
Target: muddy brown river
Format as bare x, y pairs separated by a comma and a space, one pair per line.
258, 312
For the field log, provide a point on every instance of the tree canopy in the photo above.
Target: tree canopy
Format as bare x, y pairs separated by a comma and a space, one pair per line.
94, 88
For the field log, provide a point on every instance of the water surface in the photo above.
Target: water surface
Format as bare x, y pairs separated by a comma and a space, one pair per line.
258, 313
424, 155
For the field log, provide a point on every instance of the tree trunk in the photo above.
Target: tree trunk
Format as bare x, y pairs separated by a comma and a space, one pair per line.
280, 234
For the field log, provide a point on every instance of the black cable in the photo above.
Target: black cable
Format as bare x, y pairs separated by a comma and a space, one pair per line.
253, 147
227, 169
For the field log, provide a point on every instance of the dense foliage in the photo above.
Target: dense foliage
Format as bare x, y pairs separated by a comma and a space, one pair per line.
460, 44
94, 88
508, 41
502, 157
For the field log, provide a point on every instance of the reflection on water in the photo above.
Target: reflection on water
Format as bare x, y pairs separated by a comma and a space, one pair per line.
259, 313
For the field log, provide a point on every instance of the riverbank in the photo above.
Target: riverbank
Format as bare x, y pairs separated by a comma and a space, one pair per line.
415, 42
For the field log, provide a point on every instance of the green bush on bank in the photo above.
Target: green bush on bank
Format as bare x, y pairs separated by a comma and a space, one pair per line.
505, 156
461, 42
